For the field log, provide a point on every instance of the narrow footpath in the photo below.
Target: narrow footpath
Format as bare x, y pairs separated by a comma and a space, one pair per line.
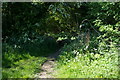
48, 66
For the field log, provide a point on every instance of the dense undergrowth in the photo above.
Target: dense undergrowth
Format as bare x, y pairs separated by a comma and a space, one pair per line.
96, 61
24, 60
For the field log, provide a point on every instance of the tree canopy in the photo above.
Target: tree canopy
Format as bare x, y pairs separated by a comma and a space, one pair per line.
55, 18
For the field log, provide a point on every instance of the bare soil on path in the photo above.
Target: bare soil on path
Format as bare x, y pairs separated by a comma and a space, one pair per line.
48, 66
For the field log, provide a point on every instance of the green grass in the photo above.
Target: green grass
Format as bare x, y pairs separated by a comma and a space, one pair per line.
20, 64
25, 60
24, 68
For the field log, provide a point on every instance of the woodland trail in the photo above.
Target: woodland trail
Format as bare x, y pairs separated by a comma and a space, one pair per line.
48, 66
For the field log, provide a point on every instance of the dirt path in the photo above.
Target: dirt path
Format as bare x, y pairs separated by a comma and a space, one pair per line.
48, 65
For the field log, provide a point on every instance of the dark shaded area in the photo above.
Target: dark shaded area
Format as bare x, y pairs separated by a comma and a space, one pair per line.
61, 43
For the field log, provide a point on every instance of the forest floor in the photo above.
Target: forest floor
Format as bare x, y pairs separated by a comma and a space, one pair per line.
47, 68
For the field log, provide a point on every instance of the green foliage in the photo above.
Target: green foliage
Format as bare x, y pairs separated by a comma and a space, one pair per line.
18, 18
75, 62
83, 67
42, 45
111, 31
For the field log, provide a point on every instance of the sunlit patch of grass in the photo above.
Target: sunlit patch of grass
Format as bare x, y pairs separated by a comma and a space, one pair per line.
25, 68
26, 60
